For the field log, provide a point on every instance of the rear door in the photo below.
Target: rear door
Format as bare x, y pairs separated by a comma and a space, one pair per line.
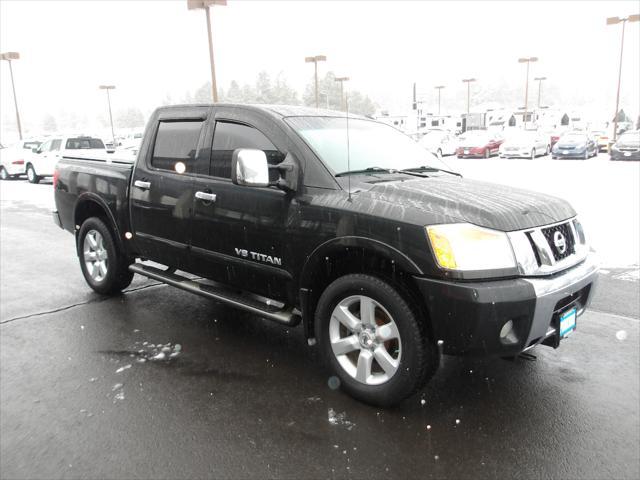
161, 196
238, 234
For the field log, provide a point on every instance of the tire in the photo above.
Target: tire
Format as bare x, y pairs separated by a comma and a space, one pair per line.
4, 175
439, 153
32, 176
547, 151
533, 154
586, 154
109, 272
411, 357
487, 153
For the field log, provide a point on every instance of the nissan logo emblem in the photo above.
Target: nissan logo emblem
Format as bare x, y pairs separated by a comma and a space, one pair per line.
560, 242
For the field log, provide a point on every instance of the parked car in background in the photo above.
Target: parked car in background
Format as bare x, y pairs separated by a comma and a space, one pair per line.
627, 147
439, 142
602, 139
43, 162
525, 144
14, 158
577, 145
478, 143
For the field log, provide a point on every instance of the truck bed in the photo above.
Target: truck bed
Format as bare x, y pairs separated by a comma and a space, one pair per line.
104, 178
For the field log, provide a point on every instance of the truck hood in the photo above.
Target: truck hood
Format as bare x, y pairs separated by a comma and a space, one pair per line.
489, 205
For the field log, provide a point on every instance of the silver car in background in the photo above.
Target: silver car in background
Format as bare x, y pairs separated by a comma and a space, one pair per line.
439, 142
525, 144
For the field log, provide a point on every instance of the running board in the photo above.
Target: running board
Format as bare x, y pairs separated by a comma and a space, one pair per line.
221, 293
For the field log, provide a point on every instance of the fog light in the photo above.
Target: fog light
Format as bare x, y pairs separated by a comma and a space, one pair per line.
507, 334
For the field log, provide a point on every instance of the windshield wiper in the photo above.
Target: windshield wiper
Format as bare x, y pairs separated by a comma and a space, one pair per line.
367, 170
429, 169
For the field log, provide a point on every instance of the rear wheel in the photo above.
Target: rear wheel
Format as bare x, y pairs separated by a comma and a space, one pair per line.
373, 340
32, 176
104, 267
4, 175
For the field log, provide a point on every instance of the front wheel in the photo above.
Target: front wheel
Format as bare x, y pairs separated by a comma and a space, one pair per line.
104, 267
32, 176
4, 175
487, 153
548, 150
373, 340
533, 154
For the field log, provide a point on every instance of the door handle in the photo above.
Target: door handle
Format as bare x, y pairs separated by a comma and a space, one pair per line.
142, 185
206, 197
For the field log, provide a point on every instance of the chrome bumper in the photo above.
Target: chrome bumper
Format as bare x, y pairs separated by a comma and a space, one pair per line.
551, 290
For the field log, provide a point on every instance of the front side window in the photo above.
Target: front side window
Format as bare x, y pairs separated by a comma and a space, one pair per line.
176, 146
45, 146
229, 136
55, 145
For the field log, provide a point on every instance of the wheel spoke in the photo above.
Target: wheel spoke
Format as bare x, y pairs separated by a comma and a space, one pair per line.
363, 371
103, 268
90, 256
388, 364
346, 318
92, 240
367, 311
388, 331
345, 345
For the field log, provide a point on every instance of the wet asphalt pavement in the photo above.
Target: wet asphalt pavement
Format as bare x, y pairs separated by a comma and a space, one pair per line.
245, 398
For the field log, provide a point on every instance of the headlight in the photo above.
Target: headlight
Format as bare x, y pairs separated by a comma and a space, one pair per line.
462, 246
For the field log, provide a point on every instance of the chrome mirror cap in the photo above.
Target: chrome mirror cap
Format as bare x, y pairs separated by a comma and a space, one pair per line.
249, 167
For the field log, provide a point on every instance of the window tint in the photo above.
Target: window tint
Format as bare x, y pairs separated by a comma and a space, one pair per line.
176, 142
55, 145
229, 136
45, 146
82, 143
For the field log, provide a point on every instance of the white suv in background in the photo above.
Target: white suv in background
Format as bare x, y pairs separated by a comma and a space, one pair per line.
14, 158
43, 162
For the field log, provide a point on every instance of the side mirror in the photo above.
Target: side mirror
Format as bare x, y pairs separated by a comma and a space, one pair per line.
249, 167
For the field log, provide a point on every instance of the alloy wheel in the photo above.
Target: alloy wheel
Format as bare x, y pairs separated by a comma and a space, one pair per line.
96, 257
365, 340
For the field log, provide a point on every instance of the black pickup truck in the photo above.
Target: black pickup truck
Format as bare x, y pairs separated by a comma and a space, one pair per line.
337, 222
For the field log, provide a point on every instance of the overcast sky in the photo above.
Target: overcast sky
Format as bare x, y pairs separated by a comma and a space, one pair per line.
149, 49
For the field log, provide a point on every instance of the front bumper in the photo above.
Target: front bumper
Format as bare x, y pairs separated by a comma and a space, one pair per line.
468, 316
625, 155
570, 154
515, 154
56, 218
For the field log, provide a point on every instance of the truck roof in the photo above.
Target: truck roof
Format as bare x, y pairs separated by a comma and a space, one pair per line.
277, 110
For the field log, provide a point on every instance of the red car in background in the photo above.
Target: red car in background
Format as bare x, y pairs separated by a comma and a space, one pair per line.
478, 144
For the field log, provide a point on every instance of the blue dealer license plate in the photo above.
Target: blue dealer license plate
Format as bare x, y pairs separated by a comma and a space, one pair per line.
567, 322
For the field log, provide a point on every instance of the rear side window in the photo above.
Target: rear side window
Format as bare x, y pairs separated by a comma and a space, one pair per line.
229, 136
177, 142
82, 143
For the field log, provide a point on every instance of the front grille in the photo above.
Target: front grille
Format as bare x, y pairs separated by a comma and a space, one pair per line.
555, 235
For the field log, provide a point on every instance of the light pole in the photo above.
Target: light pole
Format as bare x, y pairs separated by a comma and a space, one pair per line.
614, 21
205, 4
315, 60
526, 60
8, 56
540, 80
107, 88
439, 88
342, 80
468, 82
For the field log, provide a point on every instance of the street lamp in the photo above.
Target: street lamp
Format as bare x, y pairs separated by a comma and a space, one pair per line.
614, 21
527, 60
107, 88
205, 4
342, 80
468, 82
539, 80
315, 60
439, 88
8, 56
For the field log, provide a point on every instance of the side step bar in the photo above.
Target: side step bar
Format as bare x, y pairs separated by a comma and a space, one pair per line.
244, 301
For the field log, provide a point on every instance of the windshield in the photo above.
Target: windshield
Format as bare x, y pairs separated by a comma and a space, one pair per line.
371, 144
82, 143
630, 137
31, 145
